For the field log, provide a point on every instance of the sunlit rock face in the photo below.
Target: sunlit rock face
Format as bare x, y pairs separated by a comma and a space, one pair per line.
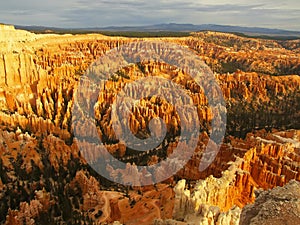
222, 198
44, 178
9, 35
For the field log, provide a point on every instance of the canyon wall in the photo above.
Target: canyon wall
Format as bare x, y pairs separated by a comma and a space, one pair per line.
45, 178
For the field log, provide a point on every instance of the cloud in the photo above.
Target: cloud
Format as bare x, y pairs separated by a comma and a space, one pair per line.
91, 13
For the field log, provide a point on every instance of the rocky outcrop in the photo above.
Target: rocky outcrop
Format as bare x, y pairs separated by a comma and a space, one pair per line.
9, 33
19, 68
199, 206
274, 207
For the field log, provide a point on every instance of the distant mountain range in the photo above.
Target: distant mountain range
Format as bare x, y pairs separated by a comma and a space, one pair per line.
174, 27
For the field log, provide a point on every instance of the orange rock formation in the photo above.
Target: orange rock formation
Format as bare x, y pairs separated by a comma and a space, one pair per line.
43, 176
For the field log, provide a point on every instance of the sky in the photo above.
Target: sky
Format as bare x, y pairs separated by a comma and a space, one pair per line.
100, 13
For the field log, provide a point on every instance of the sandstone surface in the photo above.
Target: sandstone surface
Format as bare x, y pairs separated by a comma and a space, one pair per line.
45, 178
